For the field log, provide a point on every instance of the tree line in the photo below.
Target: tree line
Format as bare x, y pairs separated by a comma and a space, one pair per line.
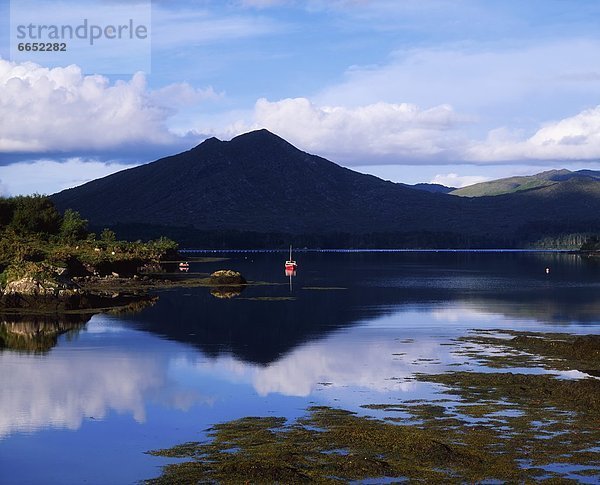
32, 230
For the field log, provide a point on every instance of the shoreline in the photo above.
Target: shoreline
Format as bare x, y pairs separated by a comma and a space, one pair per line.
123, 291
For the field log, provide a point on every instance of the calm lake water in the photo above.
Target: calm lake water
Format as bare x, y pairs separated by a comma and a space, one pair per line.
350, 330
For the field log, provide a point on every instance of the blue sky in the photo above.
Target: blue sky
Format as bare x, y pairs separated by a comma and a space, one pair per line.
413, 91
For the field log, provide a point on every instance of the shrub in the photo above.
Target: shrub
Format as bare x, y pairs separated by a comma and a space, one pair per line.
108, 236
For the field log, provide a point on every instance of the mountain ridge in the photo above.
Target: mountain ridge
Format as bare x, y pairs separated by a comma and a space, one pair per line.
525, 182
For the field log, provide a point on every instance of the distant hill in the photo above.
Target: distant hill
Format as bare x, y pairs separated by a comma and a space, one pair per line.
530, 182
259, 190
434, 188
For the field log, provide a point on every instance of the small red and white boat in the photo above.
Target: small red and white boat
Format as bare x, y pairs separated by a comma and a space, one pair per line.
290, 264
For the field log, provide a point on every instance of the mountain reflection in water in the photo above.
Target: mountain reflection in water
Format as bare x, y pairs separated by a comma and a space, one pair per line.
340, 290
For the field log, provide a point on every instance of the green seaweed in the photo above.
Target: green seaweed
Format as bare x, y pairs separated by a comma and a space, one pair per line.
308, 450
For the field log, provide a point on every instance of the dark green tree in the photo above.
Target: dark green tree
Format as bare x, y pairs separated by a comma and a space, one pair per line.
73, 226
35, 214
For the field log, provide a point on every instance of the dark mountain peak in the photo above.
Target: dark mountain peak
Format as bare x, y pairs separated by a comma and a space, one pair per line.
209, 142
258, 140
261, 135
262, 139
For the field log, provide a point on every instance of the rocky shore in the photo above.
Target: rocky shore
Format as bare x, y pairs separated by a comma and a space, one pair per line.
52, 290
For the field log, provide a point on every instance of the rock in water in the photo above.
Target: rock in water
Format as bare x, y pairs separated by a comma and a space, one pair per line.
29, 286
40, 293
227, 277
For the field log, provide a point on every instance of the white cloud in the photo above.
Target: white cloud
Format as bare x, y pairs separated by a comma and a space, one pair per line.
405, 134
455, 180
62, 110
573, 138
50, 176
380, 131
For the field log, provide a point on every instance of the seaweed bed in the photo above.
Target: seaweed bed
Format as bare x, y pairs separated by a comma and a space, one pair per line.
328, 445
559, 351
484, 426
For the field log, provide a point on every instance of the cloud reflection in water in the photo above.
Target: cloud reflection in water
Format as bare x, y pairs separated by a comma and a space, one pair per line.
66, 386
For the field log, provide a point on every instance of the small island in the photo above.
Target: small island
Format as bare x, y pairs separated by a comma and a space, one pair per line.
52, 263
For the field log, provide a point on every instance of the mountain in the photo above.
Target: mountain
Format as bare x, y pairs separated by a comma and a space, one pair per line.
257, 184
530, 182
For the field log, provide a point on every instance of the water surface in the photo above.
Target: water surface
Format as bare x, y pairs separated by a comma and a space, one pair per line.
349, 329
